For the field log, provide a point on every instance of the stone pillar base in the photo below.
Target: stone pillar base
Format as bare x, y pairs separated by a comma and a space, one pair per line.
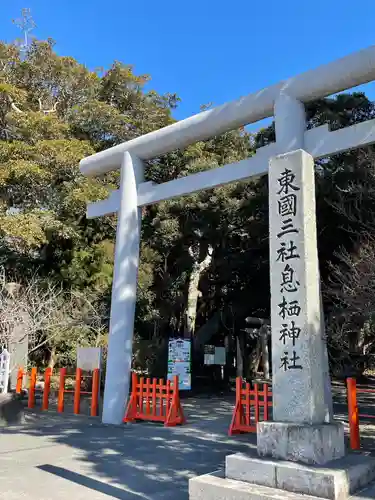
309, 444
249, 477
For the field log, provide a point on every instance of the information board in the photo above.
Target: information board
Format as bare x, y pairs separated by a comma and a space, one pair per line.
209, 354
179, 362
89, 358
214, 355
220, 356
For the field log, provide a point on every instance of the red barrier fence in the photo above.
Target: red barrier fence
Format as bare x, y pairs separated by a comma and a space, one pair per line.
19, 385
62, 390
32, 386
353, 412
47, 388
60, 396
78, 391
155, 401
249, 403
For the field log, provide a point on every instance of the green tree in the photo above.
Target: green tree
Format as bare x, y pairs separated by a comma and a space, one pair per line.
54, 112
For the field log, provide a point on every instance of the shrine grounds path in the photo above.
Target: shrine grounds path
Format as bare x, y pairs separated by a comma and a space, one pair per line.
74, 458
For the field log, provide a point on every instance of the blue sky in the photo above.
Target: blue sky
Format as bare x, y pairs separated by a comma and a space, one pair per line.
204, 50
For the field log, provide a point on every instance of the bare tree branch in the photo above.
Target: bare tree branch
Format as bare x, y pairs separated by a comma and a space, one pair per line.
47, 111
13, 106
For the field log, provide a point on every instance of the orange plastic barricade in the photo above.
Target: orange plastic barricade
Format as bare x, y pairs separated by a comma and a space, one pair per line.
95, 392
47, 388
77, 392
155, 401
32, 387
246, 413
20, 375
31, 400
354, 414
60, 397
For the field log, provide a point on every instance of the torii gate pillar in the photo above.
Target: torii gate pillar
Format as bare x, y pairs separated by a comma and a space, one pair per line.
124, 292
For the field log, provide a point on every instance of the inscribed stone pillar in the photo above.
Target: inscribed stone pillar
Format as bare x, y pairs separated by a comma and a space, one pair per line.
298, 379
298, 368
19, 348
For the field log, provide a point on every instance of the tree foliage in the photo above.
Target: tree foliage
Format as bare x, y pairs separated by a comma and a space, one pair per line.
204, 257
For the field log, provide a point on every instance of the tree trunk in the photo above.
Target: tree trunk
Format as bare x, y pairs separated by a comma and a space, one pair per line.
265, 353
240, 360
228, 358
193, 291
255, 360
52, 358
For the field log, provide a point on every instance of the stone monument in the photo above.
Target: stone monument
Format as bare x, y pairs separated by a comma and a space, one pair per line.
19, 349
300, 412
15, 329
302, 451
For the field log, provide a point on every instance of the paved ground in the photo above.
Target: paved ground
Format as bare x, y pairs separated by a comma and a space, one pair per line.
55, 457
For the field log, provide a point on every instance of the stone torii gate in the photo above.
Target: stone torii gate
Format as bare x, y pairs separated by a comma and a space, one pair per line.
292, 217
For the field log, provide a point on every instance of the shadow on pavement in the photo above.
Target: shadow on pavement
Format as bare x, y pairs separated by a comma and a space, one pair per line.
132, 461
82, 480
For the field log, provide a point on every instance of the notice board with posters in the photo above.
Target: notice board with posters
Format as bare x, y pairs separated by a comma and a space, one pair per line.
179, 362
